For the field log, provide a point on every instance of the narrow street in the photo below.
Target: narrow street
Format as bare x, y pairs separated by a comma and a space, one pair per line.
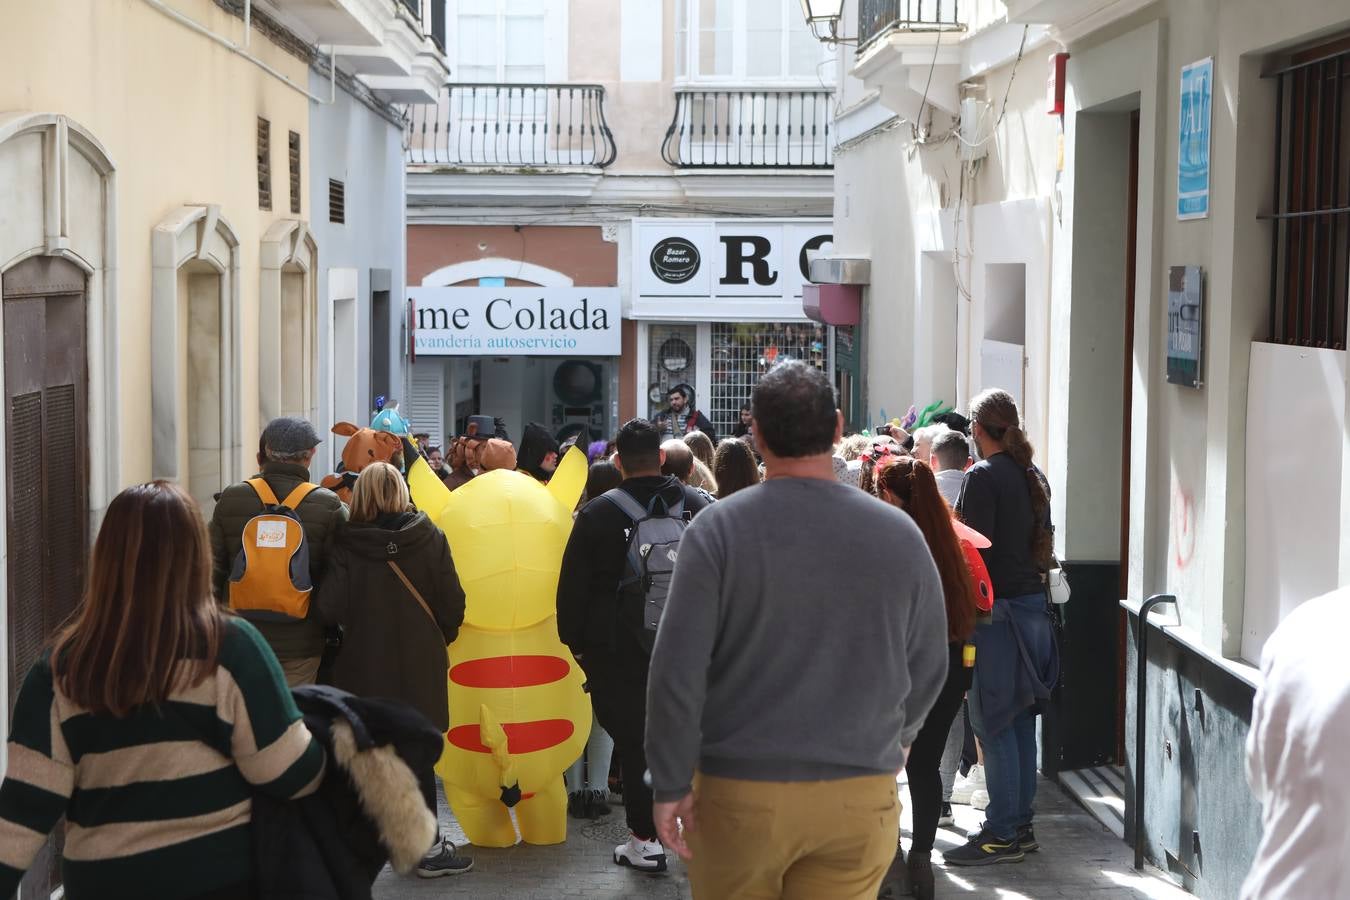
1080, 858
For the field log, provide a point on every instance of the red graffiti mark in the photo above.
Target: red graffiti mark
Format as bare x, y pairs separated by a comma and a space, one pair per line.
1183, 527
521, 737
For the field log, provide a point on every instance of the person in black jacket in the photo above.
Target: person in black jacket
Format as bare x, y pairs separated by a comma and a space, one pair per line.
683, 418
614, 659
392, 588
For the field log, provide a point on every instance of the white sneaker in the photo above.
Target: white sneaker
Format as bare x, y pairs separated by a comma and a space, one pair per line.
966, 787
979, 799
645, 856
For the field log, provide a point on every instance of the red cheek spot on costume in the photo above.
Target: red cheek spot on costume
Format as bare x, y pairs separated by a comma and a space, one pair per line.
521, 737
509, 671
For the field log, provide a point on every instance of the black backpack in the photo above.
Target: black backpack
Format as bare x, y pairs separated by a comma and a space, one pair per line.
653, 548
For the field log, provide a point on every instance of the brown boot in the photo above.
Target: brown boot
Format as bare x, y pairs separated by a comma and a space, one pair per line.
921, 876
896, 882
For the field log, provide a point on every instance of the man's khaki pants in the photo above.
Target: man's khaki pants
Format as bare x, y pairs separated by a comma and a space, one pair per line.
816, 840
301, 671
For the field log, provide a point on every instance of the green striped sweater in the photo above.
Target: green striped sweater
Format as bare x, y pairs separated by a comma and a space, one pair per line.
157, 804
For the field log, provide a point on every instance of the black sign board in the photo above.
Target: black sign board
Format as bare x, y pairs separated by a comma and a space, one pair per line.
675, 260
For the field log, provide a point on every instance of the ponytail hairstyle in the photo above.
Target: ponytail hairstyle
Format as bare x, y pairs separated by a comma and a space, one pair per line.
911, 485
996, 413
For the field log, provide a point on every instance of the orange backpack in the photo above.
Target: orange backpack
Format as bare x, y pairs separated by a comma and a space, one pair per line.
270, 581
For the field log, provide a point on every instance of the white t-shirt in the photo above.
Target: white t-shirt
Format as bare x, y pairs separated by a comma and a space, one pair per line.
1296, 751
949, 484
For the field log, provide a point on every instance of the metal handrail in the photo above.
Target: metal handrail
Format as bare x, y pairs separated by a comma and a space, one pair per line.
735, 128
1141, 686
880, 17
512, 125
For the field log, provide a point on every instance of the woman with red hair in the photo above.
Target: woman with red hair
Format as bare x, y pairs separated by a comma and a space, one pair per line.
908, 484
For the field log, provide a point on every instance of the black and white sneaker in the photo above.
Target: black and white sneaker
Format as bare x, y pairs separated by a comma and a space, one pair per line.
645, 856
1026, 839
442, 861
985, 850
947, 817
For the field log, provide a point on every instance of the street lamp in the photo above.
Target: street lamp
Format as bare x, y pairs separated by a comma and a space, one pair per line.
824, 13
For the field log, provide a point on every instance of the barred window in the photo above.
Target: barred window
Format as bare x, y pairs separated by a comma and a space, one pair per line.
743, 351
1310, 246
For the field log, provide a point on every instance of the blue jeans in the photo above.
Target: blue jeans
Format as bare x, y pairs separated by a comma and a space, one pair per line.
1009, 770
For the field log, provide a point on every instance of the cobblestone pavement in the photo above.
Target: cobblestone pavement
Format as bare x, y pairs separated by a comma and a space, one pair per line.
1079, 858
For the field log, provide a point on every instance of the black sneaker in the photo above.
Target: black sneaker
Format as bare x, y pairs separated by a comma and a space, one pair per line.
985, 850
576, 804
596, 806
946, 817
1026, 839
443, 861
895, 883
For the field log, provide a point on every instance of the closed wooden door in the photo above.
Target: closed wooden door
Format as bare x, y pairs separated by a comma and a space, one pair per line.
46, 469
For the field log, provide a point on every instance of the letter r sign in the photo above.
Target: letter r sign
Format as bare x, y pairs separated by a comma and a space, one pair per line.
751, 250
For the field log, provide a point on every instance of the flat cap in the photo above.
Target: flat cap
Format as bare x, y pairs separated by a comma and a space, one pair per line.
289, 435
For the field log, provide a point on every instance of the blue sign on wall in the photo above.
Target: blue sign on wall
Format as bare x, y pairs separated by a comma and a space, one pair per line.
1197, 97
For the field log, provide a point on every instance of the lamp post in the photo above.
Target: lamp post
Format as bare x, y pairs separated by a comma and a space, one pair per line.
825, 13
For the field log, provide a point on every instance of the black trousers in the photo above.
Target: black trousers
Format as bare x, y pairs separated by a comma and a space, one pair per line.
618, 684
925, 757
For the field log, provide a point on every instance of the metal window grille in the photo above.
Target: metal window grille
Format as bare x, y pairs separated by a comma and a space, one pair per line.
1310, 244
337, 201
293, 161
671, 360
264, 164
743, 351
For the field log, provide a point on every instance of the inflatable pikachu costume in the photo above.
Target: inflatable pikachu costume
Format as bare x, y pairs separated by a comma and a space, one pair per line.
518, 714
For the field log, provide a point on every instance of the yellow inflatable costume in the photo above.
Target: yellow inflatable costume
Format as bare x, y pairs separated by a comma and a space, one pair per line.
518, 714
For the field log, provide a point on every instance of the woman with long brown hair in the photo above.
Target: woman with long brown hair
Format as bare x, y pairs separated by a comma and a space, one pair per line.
1005, 497
165, 710
909, 484
734, 467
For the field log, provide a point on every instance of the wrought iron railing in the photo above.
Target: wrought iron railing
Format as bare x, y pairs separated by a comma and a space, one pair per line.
878, 17
512, 125
727, 128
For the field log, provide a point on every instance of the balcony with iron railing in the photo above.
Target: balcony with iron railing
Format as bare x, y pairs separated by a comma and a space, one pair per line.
543, 126
881, 17
728, 128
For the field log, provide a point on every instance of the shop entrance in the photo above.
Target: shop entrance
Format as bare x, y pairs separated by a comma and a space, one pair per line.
567, 395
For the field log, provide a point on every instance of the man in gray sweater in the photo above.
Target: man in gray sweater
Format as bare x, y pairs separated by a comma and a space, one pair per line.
802, 643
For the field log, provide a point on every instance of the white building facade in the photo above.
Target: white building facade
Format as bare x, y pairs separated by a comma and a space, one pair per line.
1132, 216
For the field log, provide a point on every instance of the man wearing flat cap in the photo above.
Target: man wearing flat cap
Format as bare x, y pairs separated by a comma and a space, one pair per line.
287, 449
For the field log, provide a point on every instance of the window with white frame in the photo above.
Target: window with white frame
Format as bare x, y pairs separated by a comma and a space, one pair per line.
746, 41
507, 41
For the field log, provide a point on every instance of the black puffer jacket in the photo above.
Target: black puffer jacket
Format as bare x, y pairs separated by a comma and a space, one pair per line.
390, 646
320, 514
369, 809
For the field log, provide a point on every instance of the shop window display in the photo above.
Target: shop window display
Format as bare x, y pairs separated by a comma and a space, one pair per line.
671, 362
744, 351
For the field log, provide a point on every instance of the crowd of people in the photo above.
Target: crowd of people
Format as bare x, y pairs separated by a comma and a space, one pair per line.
772, 626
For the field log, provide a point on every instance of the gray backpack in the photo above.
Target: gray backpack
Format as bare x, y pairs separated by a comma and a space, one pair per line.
653, 547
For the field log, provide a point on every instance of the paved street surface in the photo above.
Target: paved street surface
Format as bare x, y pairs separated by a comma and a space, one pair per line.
1080, 858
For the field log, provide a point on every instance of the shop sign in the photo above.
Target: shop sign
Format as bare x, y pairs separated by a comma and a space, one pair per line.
516, 321
733, 258
1193, 136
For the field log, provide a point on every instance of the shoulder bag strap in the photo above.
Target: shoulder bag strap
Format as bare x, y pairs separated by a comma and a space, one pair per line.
263, 490
415, 593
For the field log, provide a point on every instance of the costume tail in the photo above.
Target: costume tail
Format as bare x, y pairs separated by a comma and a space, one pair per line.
493, 737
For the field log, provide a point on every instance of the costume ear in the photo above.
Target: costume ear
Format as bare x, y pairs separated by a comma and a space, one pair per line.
569, 478
428, 492
346, 429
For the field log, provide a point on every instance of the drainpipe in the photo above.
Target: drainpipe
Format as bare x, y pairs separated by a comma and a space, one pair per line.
1140, 695
231, 45
248, 22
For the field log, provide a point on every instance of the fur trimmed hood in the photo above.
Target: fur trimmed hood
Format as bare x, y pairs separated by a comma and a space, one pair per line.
388, 792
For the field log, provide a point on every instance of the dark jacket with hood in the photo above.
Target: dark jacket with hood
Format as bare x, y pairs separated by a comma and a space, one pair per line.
369, 808
593, 563
536, 444
321, 512
390, 646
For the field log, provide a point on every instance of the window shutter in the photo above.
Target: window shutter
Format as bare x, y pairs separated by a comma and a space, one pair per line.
264, 164
426, 406
337, 202
293, 162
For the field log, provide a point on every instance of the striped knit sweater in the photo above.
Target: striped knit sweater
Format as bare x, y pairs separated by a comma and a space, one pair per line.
157, 804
